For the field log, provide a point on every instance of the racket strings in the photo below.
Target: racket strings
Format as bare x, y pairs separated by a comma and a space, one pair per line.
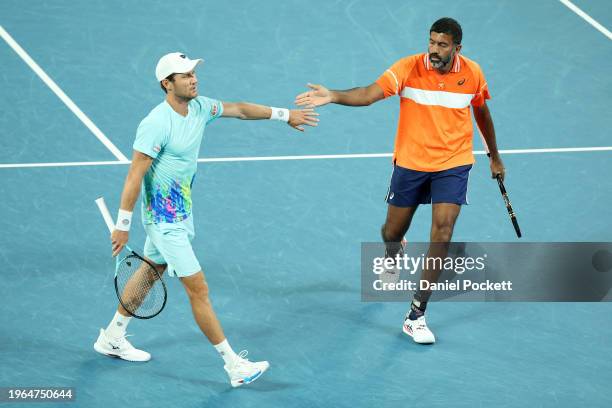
140, 289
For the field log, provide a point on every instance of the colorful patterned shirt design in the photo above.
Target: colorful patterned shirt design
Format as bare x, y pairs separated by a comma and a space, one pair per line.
173, 141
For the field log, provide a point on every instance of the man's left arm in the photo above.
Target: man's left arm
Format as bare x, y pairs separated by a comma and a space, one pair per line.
250, 111
485, 124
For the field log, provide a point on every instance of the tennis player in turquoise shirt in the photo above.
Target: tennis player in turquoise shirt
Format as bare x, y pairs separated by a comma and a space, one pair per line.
163, 166
174, 141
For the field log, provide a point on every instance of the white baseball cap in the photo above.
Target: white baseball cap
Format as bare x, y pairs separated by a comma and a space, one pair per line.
174, 63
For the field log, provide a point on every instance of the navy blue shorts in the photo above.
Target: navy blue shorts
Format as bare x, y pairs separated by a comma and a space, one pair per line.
410, 188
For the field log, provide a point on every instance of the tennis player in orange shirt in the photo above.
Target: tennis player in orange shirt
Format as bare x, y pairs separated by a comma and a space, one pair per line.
433, 146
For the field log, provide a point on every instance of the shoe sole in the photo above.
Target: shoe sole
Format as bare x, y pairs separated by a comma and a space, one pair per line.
104, 352
413, 339
240, 384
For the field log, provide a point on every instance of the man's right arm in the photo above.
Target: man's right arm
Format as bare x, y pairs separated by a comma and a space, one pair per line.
319, 96
131, 189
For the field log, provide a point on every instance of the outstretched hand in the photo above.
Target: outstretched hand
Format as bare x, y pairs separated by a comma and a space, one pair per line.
317, 96
299, 117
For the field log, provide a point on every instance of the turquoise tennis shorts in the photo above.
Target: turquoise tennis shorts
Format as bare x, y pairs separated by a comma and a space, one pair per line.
170, 243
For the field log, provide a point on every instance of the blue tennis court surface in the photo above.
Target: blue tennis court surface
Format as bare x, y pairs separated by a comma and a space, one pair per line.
279, 240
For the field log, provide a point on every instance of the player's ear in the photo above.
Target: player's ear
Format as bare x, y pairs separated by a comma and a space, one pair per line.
458, 48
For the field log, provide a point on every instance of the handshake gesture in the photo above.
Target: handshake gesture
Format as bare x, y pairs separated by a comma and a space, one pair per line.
317, 96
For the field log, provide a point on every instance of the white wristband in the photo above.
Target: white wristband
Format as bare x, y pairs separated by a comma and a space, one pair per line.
280, 114
124, 220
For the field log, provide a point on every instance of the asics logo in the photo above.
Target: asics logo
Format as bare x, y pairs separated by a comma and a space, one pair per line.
113, 346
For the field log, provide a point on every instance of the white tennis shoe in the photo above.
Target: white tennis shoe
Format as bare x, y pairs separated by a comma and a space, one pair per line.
392, 274
418, 330
120, 348
243, 371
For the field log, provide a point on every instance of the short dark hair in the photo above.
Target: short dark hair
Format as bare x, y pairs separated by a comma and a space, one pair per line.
450, 26
169, 78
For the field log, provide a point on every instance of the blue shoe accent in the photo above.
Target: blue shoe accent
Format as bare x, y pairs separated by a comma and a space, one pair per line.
252, 378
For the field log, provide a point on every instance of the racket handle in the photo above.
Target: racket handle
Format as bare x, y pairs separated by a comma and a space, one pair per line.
517, 229
105, 214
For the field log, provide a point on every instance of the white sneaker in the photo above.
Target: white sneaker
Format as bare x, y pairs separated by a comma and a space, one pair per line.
418, 330
392, 275
244, 371
120, 348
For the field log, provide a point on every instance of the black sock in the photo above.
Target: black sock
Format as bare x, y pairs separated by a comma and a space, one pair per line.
393, 249
417, 309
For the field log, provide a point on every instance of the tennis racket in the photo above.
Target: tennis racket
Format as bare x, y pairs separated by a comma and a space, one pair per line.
502, 189
139, 286
504, 194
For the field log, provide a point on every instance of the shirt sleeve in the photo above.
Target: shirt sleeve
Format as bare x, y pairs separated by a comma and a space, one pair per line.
482, 90
151, 137
211, 108
392, 80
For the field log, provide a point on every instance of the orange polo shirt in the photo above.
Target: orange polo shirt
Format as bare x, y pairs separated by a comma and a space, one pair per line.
435, 129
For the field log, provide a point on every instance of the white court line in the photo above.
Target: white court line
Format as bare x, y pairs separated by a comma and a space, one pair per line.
60, 164
587, 18
60, 94
306, 157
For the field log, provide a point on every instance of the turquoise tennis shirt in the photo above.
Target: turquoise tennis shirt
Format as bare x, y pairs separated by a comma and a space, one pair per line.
173, 141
